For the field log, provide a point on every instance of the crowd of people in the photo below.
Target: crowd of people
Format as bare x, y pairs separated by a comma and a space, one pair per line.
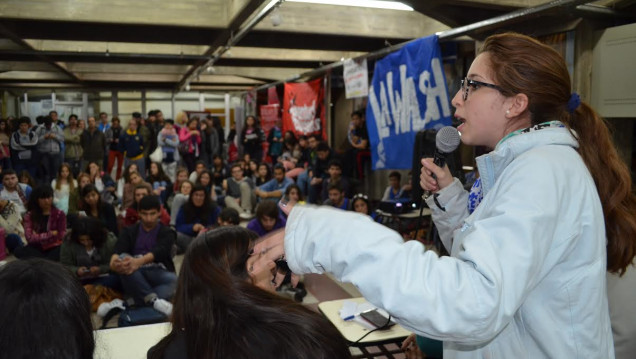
115, 204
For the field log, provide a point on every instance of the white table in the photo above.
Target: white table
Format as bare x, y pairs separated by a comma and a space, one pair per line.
128, 342
353, 331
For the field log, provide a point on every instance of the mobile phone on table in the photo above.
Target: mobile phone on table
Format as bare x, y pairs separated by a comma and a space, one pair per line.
377, 319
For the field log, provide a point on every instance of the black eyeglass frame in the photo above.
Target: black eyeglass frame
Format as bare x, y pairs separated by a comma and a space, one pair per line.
466, 82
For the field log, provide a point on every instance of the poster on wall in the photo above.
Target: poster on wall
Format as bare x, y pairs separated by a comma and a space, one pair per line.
356, 78
407, 94
304, 109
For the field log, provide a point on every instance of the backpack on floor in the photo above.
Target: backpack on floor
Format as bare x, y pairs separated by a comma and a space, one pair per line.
140, 316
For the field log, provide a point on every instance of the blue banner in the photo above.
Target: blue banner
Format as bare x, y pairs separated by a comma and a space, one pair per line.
408, 94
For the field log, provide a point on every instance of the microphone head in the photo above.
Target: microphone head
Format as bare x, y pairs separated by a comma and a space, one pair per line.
447, 139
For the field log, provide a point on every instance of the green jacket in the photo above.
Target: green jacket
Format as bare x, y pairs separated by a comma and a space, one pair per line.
70, 250
72, 143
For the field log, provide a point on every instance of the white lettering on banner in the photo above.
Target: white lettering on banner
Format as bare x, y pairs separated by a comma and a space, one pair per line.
404, 107
304, 118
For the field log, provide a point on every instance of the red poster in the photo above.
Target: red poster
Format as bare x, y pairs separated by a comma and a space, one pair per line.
304, 110
269, 116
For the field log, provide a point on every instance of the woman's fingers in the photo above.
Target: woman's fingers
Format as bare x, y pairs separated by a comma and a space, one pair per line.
272, 246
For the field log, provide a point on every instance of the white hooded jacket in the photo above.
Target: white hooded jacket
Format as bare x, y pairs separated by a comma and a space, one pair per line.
526, 276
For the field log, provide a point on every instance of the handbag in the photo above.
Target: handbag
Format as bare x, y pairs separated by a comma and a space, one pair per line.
156, 155
98, 294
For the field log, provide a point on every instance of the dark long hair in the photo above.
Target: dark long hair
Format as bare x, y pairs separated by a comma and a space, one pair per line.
86, 190
192, 212
522, 64
88, 226
46, 312
33, 206
224, 315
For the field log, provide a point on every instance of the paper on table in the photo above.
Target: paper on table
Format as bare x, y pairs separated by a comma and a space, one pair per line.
351, 311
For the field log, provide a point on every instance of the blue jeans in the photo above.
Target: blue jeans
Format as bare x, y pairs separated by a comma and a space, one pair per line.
146, 283
302, 181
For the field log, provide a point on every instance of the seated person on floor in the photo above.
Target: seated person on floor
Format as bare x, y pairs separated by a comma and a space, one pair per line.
18, 193
131, 216
293, 194
394, 190
142, 258
160, 182
180, 198
63, 185
205, 180
47, 312
86, 253
93, 206
335, 176
337, 198
274, 189
44, 228
360, 204
199, 167
229, 217
262, 175
10, 225
195, 216
318, 172
267, 218
105, 185
239, 192
225, 307
134, 179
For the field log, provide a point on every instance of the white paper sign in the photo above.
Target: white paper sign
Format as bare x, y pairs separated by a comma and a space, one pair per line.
356, 78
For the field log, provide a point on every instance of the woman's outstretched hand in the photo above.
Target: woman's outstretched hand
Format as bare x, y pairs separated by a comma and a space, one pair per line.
268, 250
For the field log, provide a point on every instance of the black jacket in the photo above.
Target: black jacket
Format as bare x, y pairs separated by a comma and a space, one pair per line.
162, 250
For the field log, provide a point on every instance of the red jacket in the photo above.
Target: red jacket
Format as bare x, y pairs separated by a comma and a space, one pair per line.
43, 237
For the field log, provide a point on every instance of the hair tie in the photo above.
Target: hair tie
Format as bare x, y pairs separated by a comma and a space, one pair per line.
574, 102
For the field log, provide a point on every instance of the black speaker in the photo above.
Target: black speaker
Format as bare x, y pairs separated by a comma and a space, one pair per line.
425, 147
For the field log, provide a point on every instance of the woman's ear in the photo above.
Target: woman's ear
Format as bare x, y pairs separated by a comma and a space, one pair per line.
516, 105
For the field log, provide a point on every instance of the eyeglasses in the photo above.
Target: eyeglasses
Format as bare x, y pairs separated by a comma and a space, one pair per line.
468, 83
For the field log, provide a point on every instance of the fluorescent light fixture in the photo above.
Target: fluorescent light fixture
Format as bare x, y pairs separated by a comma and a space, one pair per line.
378, 4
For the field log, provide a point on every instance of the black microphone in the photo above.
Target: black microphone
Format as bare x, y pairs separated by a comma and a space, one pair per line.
446, 141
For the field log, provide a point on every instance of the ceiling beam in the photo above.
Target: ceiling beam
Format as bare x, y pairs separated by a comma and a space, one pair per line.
199, 13
111, 32
100, 57
224, 36
18, 41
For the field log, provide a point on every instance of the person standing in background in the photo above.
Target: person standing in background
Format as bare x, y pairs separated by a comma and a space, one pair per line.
93, 143
132, 145
114, 151
73, 139
50, 139
104, 126
23, 147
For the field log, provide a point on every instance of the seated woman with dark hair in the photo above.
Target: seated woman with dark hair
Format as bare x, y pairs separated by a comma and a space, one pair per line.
105, 185
195, 216
224, 307
44, 227
93, 206
267, 218
47, 312
86, 252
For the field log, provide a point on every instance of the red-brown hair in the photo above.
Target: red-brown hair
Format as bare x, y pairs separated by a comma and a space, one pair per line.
522, 64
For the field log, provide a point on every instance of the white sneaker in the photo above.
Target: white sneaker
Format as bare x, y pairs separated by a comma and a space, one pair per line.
246, 215
163, 306
104, 308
